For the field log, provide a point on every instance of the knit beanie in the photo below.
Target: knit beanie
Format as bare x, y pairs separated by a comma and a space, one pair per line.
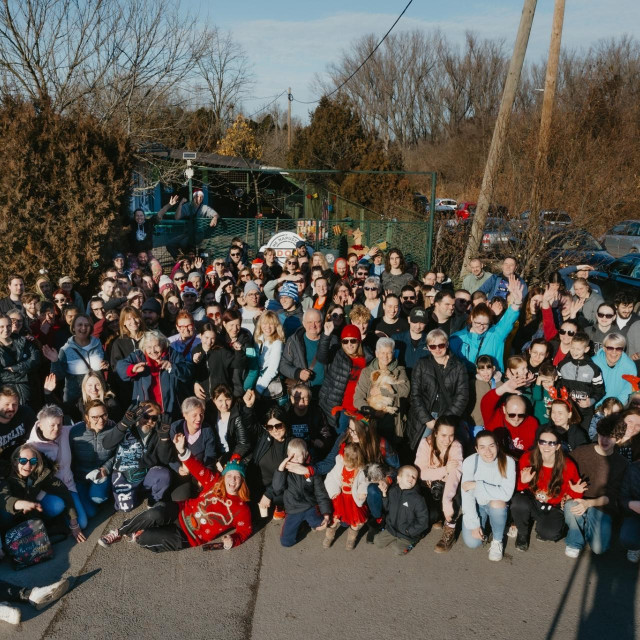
235, 464
251, 286
290, 290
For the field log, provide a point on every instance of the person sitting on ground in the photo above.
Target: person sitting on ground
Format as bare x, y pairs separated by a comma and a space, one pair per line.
37, 597
488, 482
406, 513
305, 498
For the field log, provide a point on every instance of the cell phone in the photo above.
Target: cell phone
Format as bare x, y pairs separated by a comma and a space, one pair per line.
204, 255
213, 546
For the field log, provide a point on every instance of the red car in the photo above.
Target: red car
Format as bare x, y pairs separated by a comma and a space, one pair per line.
465, 210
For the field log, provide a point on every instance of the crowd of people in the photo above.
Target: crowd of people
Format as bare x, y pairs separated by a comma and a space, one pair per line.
363, 395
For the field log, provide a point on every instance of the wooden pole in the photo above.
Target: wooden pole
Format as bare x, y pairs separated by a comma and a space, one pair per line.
500, 132
289, 101
549, 97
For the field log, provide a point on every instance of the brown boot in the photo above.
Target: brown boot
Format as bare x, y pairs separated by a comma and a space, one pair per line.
352, 535
446, 541
330, 534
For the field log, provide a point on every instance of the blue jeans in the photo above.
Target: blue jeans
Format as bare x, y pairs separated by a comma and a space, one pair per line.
630, 533
497, 519
92, 494
82, 514
292, 522
374, 501
52, 506
593, 526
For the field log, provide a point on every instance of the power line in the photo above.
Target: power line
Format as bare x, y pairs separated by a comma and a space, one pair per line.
267, 106
364, 61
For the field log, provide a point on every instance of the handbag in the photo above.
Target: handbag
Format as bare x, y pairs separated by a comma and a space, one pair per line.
28, 543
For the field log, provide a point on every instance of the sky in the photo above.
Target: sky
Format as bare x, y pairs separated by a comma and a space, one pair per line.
289, 42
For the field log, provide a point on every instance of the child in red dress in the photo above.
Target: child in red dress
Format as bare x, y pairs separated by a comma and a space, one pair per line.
346, 485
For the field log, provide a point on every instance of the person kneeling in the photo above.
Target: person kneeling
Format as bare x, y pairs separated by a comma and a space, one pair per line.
220, 507
407, 515
305, 497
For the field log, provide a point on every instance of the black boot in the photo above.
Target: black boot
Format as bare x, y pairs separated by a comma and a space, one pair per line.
373, 527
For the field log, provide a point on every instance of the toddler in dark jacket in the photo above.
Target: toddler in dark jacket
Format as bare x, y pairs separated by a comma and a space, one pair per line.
305, 497
406, 512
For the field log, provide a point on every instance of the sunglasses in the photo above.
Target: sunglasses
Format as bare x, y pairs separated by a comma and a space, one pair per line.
408, 298
513, 416
277, 425
370, 288
214, 315
32, 461
433, 347
615, 349
179, 278
292, 262
149, 418
218, 264
566, 332
548, 443
234, 255
350, 341
606, 315
337, 316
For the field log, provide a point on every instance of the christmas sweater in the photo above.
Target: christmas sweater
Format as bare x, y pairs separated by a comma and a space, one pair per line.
206, 517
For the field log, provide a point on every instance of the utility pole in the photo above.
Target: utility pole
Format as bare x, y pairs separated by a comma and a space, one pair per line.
548, 99
289, 100
500, 132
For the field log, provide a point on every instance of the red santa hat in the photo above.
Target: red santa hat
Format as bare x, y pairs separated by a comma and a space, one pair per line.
187, 288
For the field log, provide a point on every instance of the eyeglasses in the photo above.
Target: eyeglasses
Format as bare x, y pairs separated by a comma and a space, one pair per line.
350, 341
102, 416
433, 347
32, 461
409, 298
566, 332
370, 288
480, 324
179, 278
606, 315
464, 302
548, 443
294, 262
513, 416
277, 425
234, 255
214, 315
185, 326
615, 349
60, 299
150, 418
337, 316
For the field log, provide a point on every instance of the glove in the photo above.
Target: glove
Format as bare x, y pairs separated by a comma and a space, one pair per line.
132, 415
165, 425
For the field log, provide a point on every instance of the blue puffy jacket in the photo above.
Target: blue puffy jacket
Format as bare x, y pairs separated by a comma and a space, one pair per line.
468, 346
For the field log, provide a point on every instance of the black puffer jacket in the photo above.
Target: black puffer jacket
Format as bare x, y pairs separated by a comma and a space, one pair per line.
424, 392
336, 377
23, 358
301, 492
241, 431
294, 354
406, 511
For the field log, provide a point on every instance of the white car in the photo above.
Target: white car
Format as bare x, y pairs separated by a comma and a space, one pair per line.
446, 204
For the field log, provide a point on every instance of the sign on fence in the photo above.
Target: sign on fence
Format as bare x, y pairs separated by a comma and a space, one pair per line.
284, 244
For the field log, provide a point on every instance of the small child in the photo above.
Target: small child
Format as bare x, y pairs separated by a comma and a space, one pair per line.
347, 485
606, 408
407, 515
539, 394
487, 378
305, 497
581, 377
565, 417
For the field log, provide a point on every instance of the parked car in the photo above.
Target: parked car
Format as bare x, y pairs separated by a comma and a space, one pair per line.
548, 217
574, 246
623, 238
497, 233
465, 210
622, 274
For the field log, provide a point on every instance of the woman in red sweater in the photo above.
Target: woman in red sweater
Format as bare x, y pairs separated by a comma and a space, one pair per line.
546, 479
220, 507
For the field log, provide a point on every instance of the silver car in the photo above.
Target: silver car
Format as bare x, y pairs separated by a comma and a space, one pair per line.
623, 238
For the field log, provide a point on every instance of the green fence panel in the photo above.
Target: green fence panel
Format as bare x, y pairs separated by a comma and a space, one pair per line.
330, 236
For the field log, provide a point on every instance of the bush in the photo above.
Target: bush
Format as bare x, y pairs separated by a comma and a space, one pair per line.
64, 192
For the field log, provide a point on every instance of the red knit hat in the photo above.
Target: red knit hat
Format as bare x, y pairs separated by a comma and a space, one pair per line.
351, 331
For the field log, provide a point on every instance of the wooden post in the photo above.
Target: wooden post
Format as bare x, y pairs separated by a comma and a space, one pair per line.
547, 102
499, 133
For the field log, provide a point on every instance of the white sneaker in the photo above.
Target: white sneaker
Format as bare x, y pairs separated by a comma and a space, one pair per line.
571, 552
9, 614
512, 532
40, 597
495, 551
633, 555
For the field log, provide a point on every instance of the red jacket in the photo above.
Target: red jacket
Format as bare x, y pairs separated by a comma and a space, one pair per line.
512, 439
569, 473
206, 517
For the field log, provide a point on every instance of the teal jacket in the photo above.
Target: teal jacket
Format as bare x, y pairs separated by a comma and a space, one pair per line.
468, 346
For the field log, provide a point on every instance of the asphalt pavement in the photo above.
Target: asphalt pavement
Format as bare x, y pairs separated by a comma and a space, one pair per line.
262, 591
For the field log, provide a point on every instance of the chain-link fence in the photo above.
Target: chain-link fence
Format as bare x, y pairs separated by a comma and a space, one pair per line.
333, 236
